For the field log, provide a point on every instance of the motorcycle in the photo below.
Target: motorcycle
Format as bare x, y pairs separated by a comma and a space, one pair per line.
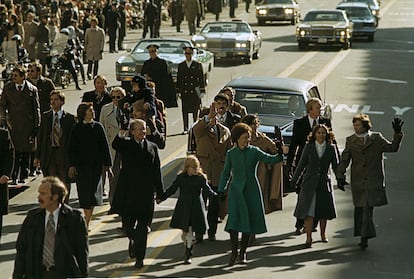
57, 73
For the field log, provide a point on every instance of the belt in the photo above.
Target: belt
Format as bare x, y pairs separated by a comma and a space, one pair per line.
50, 268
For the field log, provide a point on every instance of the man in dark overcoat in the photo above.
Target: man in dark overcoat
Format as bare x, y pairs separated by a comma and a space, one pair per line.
43, 84
52, 156
42, 39
69, 238
365, 149
301, 129
139, 178
20, 110
150, 18
6, 167
112, 25
100, 96
157, 69
122, 26
190, 85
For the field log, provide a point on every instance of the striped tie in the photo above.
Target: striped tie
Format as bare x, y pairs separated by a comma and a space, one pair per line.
56, 131
49, 243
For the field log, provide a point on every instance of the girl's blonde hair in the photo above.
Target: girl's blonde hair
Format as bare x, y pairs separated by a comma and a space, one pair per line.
191, 161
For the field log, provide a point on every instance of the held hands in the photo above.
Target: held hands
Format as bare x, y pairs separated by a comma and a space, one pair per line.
397, 124
222, 196
341, 183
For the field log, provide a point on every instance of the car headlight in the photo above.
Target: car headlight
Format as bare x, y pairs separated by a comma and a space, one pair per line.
127, 69
201, 45
241, 45
374, 12
262, 11
288, 11
301, 32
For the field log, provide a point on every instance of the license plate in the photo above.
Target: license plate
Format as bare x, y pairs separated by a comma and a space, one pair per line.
322, 40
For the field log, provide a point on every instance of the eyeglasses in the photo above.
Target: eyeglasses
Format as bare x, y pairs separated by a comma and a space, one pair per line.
188, 53
116, 97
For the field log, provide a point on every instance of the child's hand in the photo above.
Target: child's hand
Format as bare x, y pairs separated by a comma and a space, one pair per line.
158, 201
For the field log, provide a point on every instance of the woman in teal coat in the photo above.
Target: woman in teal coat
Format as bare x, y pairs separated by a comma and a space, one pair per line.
245, 210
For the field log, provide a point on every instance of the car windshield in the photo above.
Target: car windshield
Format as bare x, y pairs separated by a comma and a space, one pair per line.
271, 103
219, 27
276, 2
324, 16
369, 2
165, 46
355, 12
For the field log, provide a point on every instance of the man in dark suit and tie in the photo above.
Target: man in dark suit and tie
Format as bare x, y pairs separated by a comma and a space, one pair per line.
53, 140
301, 129
224, 115
53, 239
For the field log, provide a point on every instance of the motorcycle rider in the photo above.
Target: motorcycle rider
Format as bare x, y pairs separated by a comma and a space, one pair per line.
68, 57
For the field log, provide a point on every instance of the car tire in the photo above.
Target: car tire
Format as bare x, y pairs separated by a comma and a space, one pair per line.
261, 22
371, 38
346, 45
303, 45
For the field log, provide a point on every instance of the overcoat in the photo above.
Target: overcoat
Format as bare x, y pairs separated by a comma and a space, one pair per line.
6, 167
139, 178
316, 180
23, 114
108, 119
94, 43
270, 176
245, 211
211, 148
191, 9
44, 87
71, 245
157, 69
89, 153
190, 208
44, 137
367, 168
29, 43
188, 78
301, 130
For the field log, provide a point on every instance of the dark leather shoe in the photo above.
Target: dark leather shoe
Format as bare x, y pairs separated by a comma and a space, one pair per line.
363, 244
139, 264
131, 251
211, 237
78, 88
298, 232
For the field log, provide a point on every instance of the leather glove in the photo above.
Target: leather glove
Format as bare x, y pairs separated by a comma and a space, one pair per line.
397, 124
341, 183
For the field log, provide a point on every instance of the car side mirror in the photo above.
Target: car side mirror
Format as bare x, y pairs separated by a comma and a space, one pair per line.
255, 31
200, 51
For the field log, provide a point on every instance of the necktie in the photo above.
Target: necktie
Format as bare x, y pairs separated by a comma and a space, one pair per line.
19, 89
56, 130
314, 123
49, 243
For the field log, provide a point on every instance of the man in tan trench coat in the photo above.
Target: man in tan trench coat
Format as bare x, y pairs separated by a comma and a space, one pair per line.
365, 148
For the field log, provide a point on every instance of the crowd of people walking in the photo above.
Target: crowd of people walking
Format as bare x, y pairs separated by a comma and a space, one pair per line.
121, 131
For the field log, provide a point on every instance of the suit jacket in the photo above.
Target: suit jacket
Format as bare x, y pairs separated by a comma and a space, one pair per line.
188, 78
98, 103
139, 179
23, 114
301, 130
44, 87
231, 120
71, 245
367, 168
211, 148
6, 167
110, 123
44, 139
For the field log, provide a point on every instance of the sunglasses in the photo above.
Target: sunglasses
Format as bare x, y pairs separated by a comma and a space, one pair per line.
116, 97
188, 53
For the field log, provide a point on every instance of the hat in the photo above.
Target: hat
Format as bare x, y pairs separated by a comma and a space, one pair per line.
142, 82
189, 48
153, 46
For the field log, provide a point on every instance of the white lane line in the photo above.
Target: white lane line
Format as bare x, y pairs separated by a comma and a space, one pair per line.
323, 74
292, 68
